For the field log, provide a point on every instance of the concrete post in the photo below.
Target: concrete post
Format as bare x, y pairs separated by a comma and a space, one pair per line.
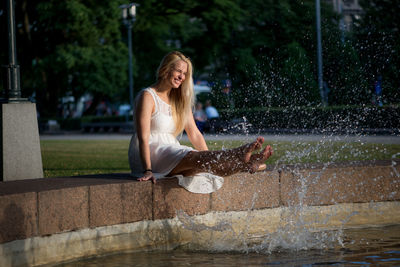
20, 145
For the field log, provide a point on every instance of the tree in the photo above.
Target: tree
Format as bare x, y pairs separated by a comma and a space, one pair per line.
298, 78
272, 56
267, 49
377, 39
70, 46
200, 29
344, 75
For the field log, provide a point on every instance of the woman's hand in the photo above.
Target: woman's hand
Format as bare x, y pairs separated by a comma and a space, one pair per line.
147, 176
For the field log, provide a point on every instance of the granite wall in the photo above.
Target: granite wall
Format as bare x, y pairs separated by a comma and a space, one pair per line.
42, 207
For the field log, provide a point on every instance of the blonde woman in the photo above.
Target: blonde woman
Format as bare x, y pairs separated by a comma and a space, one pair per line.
162, 112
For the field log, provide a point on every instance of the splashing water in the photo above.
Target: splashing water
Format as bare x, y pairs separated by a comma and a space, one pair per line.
190, 224
294, 234
295, 231
296, 237
394, 163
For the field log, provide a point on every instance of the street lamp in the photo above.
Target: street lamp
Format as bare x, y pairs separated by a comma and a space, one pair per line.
19, 134
129, 17
12, 88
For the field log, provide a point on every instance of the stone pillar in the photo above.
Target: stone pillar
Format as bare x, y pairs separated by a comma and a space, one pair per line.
20, 145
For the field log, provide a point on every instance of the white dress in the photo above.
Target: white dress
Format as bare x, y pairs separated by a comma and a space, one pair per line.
166, 151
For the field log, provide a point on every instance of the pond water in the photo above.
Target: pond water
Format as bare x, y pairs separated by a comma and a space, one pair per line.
356, 247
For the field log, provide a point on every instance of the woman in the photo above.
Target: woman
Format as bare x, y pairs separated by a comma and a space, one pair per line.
162, 112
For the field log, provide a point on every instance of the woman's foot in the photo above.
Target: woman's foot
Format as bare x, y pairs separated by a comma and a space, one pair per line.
250, 162
225, 162
256, 162
248, 149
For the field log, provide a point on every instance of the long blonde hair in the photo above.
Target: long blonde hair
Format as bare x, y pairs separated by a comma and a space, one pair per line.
182, 100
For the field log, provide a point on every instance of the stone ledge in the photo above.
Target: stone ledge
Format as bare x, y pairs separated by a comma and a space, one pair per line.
212, 231
41, 207
340, 185
62, 210
247, 192
18, 216
168, 197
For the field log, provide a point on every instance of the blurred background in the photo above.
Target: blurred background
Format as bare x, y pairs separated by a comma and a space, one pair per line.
255, 60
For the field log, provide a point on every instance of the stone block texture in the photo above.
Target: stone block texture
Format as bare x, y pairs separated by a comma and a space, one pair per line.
18, 216
105, 202
340, 185
169, 197
63, 210
120, 203
246, 191
137, 201
38, 207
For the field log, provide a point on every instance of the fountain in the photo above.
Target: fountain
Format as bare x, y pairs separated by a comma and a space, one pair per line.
291, 208
324, 211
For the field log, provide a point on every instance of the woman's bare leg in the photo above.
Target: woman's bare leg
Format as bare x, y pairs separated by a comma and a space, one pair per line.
224, 162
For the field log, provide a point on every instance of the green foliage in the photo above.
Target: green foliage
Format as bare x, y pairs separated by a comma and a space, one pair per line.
200, 29
298, 81
267, 48
345, 76
271, 60
70, 46
377, 38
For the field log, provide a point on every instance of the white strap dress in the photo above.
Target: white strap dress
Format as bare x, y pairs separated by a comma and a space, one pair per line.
166, 151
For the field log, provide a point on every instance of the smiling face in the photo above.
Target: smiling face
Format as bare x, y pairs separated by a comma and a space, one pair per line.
174, 76
178, 74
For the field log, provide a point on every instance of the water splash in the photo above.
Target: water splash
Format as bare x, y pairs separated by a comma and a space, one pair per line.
295, 232
297, 237
190, 224
394, 163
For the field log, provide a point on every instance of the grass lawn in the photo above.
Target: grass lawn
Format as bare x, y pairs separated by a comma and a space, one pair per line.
70, 158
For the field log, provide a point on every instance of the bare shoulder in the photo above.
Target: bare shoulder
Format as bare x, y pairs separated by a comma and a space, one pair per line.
146, 97
146, 101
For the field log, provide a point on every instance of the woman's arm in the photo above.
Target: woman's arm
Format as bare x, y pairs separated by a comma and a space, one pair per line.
194, 135
144, 109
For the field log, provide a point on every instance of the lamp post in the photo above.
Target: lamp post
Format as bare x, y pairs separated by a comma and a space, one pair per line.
319, 51
13, 88
129, 17
19, 134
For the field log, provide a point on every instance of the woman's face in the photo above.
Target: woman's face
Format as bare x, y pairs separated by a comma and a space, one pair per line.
178, 74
